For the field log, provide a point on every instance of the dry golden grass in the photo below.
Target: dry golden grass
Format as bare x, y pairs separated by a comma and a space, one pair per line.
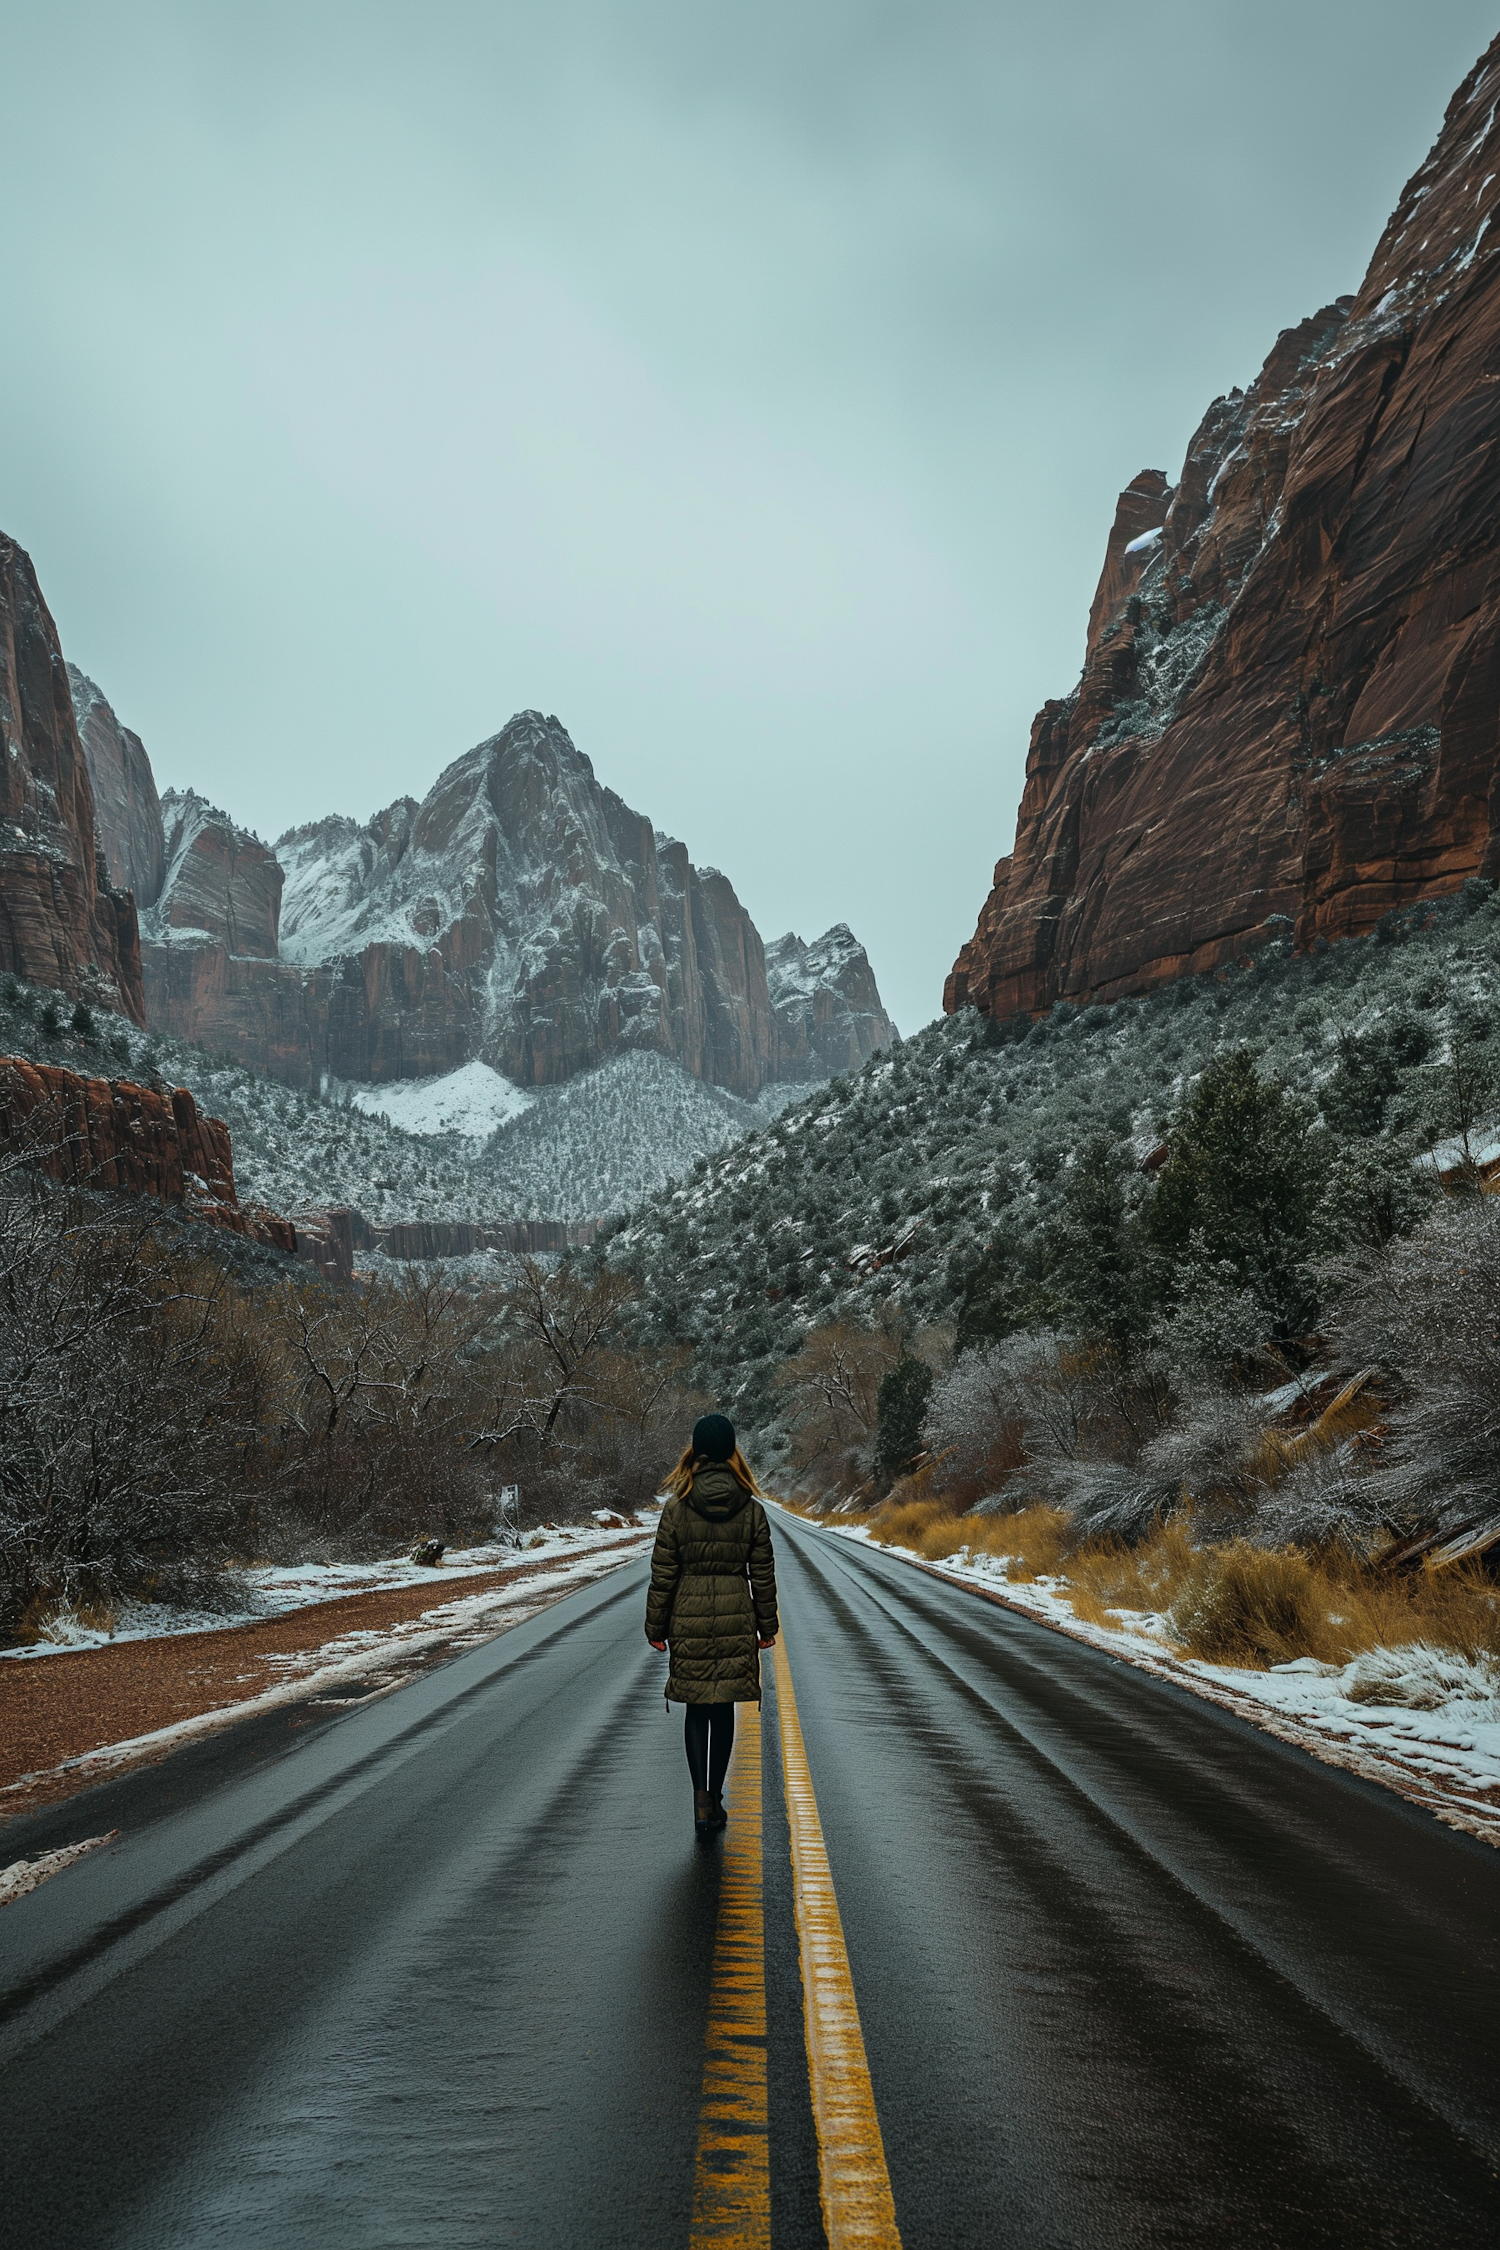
1232, 1603
1105, 1576
1256, 1606
1226, 1603
45, 1610
1033, 1540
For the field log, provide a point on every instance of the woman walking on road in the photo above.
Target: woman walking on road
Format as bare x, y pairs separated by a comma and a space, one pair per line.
713, 1596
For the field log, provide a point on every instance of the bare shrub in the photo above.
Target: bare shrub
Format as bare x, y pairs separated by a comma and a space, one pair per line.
976, 1421
127, 1409
159, 1420
833, 1387
1088, 1417
383, 1391
1428, 1312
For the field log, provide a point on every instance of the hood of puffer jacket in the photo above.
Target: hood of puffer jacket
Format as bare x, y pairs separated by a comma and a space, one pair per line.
716, 1493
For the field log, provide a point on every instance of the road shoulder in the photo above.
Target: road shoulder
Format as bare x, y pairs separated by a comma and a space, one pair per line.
1450, 1770
79, 1716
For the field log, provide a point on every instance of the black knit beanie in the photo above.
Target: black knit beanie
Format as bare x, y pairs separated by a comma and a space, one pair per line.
713, 1437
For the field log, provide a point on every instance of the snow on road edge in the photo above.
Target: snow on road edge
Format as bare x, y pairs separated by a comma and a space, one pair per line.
275, 1590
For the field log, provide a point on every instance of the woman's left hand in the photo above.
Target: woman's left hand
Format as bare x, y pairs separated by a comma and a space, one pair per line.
771, 1643
660, 1646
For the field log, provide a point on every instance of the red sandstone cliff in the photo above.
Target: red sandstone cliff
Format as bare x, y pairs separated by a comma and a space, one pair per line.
61, 923
1288, 720
127, 810
110, 1133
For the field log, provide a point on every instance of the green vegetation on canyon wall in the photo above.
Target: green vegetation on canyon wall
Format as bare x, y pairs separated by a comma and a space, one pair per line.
1125, 1240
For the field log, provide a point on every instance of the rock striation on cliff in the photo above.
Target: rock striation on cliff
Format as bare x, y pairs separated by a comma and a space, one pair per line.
62, 922
522, 913
1288, 721
142, 1140
127, 810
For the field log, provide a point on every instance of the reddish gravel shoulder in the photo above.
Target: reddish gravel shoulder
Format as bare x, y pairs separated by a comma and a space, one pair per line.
57, 1708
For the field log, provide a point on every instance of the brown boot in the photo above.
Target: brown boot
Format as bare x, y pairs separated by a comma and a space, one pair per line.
720, 1816
703, 1812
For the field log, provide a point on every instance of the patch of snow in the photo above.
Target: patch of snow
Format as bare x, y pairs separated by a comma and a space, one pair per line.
1451, 1155
350, 1658
1418, 1677
1147, 539
473, 1101
23, 1875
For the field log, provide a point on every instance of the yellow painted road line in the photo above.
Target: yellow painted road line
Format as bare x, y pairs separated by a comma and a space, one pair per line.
856, 2187
732, 2176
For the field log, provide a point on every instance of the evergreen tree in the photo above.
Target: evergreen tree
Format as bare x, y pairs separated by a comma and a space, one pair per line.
1098, 1266
1012, 1288
1370, 1068
901, 1409
1239, 1195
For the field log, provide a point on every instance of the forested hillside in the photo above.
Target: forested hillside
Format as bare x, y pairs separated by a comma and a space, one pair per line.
599, 1143
995, 1180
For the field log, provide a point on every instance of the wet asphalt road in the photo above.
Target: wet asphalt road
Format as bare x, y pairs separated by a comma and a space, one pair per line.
438, 1974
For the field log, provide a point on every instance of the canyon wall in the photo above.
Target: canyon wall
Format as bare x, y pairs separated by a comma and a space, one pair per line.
144, 1140
1288, 721
62, 921
127, 810
826, 1006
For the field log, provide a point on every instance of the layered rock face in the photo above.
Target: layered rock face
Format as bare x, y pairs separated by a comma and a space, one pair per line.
62, 923
826, 1005
219, 882
1288, 721
521, 913
524, 913
127, 811
110, 1133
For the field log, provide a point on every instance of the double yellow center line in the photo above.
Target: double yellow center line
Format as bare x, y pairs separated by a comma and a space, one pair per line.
732, 2177
732, 2182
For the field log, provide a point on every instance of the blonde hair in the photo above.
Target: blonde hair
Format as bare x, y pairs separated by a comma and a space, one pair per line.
680, 1482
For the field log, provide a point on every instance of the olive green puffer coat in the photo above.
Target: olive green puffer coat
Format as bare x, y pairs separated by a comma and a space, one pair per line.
713, 1590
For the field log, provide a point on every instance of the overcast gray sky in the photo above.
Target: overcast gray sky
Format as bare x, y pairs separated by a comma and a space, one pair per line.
749, 386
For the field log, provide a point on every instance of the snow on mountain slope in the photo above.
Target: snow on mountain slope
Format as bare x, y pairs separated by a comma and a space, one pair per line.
608, 1139
472, 1101
597, 1145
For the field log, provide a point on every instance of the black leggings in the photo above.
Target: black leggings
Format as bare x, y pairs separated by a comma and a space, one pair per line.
708, 1731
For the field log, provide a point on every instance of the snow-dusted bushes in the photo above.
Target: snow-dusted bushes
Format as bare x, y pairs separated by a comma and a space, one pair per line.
972, 1147
975, 1422
162, 1415
127, 1408
1428, 1313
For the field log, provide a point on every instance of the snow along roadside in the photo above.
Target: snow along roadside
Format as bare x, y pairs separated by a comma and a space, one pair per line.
272, 1590
380, 1662
24, 1875
1447, 1760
